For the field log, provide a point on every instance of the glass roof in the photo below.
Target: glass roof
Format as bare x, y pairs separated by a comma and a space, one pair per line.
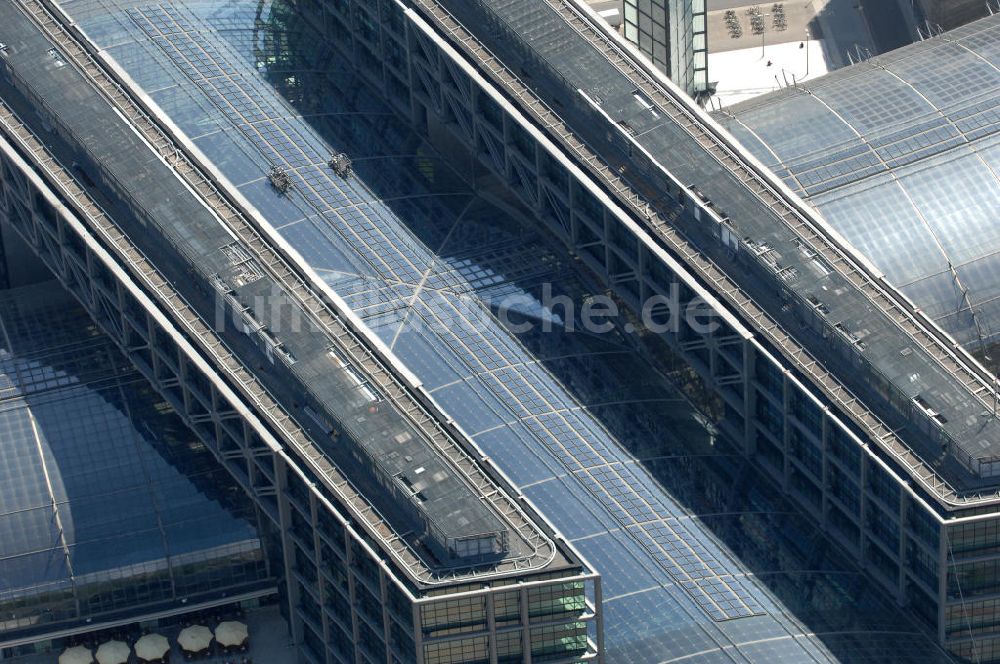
447, 518
863, 339
592, 428
107, 502
901, 154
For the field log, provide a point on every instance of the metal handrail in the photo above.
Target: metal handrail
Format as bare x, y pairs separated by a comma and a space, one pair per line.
336, 326
829, 384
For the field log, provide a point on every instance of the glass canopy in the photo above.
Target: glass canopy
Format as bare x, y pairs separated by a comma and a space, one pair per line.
109, 507
605, 433
901, 154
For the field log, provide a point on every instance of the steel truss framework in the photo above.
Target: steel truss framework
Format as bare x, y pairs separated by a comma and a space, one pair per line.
339, 591
432, 69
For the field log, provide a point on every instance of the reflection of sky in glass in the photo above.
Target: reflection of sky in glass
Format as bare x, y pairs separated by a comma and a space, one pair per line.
565, 416
94, 476
928, 114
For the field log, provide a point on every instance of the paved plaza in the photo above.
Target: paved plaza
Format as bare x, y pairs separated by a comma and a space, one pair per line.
817, 36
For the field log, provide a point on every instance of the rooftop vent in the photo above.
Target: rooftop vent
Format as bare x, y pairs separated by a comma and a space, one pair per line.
57, 56
817, 305
926, 407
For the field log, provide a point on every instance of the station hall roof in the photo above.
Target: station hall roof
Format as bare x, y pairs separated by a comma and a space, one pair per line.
105, 495
901, 154
596, 437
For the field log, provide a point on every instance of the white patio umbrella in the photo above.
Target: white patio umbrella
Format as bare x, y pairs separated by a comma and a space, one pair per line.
195, 638
76, 655
231, 633
113, 652
152, 646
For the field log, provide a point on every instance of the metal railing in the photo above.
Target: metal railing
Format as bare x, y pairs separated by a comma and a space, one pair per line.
436, 428
704, 268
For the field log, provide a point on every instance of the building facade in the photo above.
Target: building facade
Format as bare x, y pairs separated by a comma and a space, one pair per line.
909, 178
423, 554
357, 590
673, 34
869, 473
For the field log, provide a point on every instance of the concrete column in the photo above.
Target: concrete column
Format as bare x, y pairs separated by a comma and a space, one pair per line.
491, 627
352, 593
383, 593
574, 224
418, 634
608, 251
943, 549
863, 502
505, 126
599, 618
903, 507
287, 548
320, 585
786, 427
749, 400
539, 193
825, 446
525, 627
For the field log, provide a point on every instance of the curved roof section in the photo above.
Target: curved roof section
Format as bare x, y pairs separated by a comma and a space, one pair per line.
105, 505
901, 154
